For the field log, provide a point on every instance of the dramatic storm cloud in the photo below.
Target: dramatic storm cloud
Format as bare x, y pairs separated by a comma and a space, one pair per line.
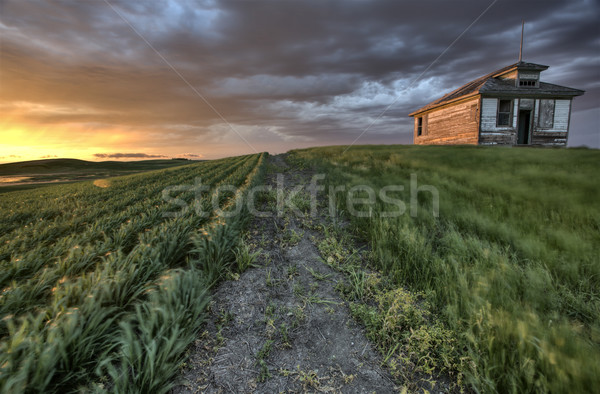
231, 77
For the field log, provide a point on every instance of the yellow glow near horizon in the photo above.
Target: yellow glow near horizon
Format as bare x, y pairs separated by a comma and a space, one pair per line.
21, 143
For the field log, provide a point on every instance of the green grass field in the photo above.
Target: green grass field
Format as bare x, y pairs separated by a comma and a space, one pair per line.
510, 267
499, 292
100, 289
27, 175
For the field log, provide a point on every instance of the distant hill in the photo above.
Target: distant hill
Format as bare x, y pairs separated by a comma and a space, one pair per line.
51, 166
36, 173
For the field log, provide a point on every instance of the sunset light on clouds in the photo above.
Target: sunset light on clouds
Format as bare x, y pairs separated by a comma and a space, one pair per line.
206, 79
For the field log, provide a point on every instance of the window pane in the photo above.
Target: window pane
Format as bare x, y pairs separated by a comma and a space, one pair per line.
546, 120
503, 119
504, 106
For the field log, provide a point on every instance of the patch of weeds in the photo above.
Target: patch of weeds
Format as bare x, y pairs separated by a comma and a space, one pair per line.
266, 257
298, 290
263, 374
313, 298
285, 372
348, 378
244, 258
309, 379
357, 283
361, 285
264, 241
299, 316
269, 280
414, 345
338, 252
311, 224
270, 327
284, 332
301, 201
292, 271
222, 321
266, 197
291, 237
261, 356
270, 309
265, 350
317, 275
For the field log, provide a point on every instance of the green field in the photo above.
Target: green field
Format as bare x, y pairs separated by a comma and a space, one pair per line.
100, 288
482, 268
510, 268
26, 175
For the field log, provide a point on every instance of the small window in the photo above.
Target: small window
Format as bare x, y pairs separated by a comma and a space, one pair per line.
527, 83
504, 112
419, 126
546, 115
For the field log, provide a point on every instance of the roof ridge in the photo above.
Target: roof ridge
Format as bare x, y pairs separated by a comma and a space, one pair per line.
476, 84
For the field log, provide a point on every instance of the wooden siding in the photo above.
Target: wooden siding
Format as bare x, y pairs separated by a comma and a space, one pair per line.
507, 137
489, 112
454, 124
511, 75
553, 138
489, 109
490, 134
557, 134
562, 108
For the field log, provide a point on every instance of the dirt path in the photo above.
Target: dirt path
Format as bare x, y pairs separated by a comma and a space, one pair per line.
282, 326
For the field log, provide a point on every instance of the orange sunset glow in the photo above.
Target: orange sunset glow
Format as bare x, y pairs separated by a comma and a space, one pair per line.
96, 79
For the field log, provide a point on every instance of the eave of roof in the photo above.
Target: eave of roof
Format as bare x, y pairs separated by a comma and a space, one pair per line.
500, 86
491, 84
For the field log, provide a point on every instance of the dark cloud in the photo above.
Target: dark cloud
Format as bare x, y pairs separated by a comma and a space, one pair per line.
282, 74
126, 156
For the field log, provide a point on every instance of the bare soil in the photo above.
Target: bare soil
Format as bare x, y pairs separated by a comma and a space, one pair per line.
281, 326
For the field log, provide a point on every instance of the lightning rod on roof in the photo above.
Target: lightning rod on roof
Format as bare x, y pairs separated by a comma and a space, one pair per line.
521, 47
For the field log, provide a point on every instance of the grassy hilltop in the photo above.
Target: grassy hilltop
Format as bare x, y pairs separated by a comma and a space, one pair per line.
510, 265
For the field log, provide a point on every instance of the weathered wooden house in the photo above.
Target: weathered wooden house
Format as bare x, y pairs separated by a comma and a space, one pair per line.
510, 106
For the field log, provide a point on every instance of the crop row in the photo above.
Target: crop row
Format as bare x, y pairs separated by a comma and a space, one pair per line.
76, 252
67, 316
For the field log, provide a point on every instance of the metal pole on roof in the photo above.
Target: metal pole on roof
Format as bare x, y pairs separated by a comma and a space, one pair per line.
521, 47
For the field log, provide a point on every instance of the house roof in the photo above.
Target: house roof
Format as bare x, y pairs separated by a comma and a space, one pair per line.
493, 84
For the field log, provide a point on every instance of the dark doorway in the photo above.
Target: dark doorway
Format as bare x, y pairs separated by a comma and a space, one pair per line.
524, 126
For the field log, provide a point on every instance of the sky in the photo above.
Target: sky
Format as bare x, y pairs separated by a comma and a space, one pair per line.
108, 79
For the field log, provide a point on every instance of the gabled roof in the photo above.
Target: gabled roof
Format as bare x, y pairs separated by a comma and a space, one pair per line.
493, 84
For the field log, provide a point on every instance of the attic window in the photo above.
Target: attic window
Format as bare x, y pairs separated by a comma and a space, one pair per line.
527, 83
504, 112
